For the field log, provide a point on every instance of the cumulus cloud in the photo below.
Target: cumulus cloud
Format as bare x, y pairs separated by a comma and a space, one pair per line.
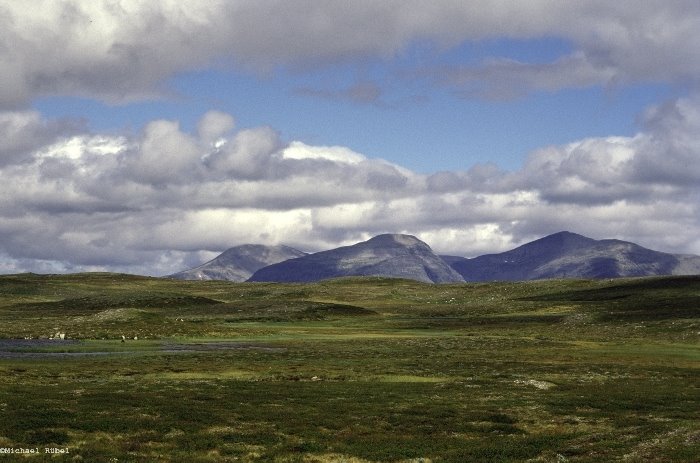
122, 51
658, 163
341, 154
247, 155
94, 200
214, 125
164, 155
670, 155
157, 201
22, 132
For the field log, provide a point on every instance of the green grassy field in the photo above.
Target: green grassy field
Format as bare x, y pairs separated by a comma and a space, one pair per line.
351, 370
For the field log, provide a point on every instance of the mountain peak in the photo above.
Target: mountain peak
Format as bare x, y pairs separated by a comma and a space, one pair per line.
570, 255
564, 233
394, 239
388, 255
566, 237
560, 255
239, 262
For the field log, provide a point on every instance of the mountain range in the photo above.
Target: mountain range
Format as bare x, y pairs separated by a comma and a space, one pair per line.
239, 263
561, 255
569, 255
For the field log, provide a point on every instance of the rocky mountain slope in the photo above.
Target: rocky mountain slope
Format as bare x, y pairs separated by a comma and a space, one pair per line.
239, 263
390, 255
568, 255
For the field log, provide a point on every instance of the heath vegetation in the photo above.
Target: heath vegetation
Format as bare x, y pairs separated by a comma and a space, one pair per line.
350, 370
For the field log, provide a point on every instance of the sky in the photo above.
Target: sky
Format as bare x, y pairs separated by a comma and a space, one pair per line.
148, 136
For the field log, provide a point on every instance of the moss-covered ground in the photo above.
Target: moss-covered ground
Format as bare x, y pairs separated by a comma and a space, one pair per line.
352, 370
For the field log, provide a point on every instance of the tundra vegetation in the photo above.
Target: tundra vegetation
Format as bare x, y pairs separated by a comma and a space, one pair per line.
350, 370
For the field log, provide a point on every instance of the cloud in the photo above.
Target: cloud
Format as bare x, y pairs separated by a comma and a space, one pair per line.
125, 51
165, 155
340, 154
505, 79
658, 163
247, 155
613, 44
113, 51
214, 125
22, 132
94, 200
364, 92
155, 201
670, 154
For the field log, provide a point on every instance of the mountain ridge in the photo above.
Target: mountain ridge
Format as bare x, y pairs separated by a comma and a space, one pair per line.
570, 255
239, 262
559, 255
388, 255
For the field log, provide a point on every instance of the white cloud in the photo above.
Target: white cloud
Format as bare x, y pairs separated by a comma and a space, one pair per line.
247, 154
163, 197
121, 51
165, 154
670, 155
217, 228
477, 239
78, 147
151, 202
299, 150
21, 132
214, 125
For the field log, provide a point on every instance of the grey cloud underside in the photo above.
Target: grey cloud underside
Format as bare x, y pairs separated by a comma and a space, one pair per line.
120, 202
125, 51
150, 201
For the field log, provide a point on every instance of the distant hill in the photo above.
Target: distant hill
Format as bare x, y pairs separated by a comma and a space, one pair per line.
561, 255
568, 255
390, 255
239, 263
